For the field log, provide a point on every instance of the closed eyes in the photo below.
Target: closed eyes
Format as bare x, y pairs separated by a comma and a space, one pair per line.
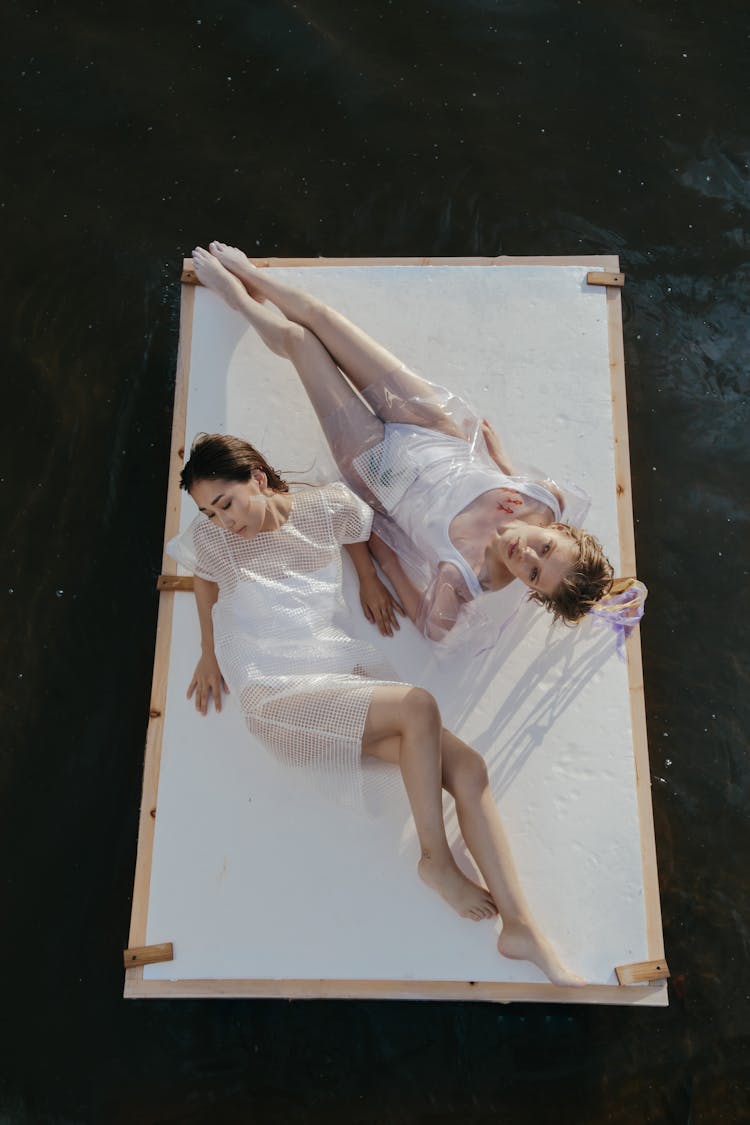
223, 508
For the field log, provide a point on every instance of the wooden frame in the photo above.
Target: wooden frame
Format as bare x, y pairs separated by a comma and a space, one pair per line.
649, 994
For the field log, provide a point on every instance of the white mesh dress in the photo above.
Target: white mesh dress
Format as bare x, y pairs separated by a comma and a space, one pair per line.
303, 682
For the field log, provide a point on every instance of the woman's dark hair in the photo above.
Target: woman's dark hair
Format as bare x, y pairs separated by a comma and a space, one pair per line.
222, 457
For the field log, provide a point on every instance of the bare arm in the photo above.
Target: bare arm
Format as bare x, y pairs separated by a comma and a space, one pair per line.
435, 611
496, 450
408, 594
442, 603
207, 678
378, 604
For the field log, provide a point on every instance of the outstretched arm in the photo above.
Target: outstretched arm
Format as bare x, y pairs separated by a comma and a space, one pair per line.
495, 449
207, 679
378, 604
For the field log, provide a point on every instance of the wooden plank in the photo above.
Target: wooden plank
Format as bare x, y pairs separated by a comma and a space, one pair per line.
147, 820
147, 955
626, 534
175, 582
654, 995
602, 277
642, 972
608, 261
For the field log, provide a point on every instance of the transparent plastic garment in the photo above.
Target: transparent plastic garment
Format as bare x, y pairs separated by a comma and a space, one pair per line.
419, 455
280, 635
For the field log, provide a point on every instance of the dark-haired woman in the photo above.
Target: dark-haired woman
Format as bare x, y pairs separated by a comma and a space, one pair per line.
453, 522
267, 566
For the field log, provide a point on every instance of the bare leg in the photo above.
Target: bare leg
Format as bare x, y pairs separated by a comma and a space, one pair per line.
403, 726
465, 777
394, 392
349, 425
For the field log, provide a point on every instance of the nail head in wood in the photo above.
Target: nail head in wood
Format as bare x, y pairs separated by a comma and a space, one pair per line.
147, 954
174, 582
188, 275
601, 277
640, 972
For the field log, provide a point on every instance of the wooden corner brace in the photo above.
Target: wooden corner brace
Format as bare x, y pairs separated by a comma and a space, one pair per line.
174, 582
601, 277
640, 972
147, 954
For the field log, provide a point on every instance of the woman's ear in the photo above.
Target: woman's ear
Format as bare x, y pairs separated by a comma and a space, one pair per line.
260, 479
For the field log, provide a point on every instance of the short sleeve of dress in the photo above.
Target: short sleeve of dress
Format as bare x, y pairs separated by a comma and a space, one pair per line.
191, 550
351, 517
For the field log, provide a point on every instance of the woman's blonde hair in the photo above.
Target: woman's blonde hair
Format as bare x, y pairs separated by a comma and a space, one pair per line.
223, 457
591, 579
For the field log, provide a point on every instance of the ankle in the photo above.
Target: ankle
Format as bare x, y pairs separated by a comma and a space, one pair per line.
437, 859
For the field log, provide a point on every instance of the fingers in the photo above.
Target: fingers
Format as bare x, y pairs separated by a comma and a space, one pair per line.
384, 624
204, 690
391, 617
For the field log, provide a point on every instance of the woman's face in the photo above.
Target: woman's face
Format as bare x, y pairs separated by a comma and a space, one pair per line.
235, 505
540, 556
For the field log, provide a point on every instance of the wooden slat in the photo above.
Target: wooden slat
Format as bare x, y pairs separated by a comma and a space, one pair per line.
642, 972
609, 261
627, 565
152, 763
174, 582
654, 995
601, 277
138, 956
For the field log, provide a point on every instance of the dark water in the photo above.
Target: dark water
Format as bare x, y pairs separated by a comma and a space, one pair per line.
441, 127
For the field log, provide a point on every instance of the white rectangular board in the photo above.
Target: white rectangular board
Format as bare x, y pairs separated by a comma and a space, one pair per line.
255, 876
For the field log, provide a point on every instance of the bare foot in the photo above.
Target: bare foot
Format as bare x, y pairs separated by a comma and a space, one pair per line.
238, 263
211, 273
467, 898
525, 943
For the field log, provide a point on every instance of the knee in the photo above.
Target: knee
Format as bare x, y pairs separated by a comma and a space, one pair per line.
469, 778
421, 711
294, 340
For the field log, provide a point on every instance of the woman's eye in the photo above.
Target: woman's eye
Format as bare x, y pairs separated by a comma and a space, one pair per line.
547, 546
534, 573
225, 506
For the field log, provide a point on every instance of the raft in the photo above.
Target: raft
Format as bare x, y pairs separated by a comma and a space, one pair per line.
252, 884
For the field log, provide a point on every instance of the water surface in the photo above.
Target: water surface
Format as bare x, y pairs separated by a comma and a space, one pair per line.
447, 127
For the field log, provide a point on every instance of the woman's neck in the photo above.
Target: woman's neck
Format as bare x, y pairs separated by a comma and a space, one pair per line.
278, 507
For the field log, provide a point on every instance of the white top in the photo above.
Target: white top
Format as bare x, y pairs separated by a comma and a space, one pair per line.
423, 478
280, 632
427, 508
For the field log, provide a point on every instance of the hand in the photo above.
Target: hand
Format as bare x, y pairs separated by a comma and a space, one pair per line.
207, 681
378, 605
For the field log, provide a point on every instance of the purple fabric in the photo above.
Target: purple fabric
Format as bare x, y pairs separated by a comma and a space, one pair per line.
622, 612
